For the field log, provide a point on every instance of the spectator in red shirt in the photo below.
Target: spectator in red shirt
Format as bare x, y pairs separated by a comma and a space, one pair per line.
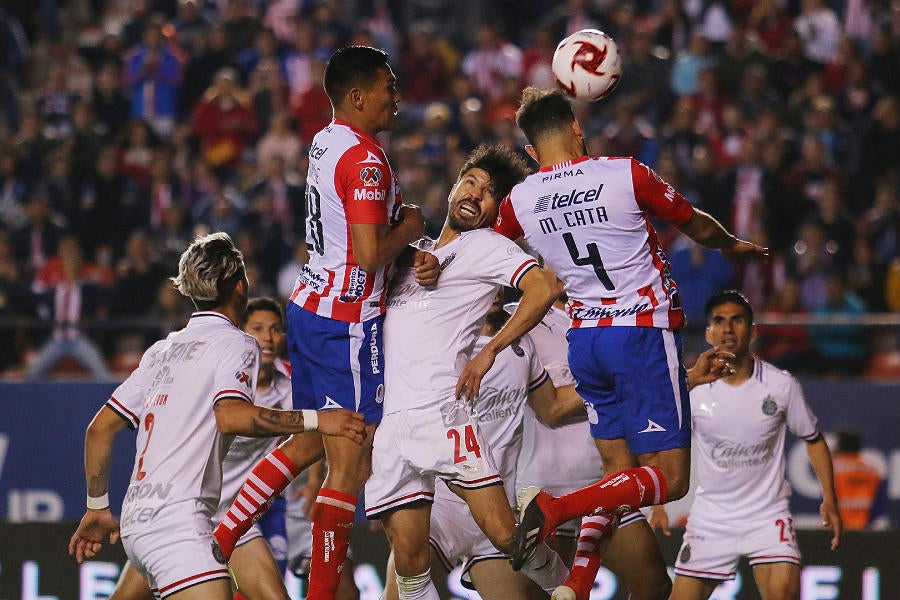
225, 122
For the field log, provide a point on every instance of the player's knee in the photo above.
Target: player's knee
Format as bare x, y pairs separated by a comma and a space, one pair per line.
677, 487
411, 562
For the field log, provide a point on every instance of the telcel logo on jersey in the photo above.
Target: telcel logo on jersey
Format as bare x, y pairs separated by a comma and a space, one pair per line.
317, 152
557, 200
363, 194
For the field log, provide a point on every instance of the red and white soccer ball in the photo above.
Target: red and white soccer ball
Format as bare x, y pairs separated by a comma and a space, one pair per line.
587, 65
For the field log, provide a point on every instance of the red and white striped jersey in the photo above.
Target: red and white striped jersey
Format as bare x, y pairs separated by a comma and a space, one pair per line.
589, 219
169, 399
349, 181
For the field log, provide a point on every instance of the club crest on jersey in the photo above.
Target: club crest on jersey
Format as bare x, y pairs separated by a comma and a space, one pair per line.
370, 176
517, 350
243, 378
248, 359
218, 555
686, 553
769, 406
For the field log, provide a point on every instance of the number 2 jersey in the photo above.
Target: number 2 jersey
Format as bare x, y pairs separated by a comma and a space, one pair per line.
589, 219
349, 181
169, 399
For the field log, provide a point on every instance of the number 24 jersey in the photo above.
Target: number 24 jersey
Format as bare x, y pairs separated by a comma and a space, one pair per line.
589, 219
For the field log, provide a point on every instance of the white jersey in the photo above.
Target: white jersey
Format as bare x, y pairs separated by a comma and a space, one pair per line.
589, 219
245, 452
500, 408
558, 459
169, 399
429, 332
738, 438
349, 181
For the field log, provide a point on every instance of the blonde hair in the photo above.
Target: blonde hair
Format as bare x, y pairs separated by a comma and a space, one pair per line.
209, 269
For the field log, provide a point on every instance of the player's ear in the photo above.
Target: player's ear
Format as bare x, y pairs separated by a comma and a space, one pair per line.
356, 98
708, 337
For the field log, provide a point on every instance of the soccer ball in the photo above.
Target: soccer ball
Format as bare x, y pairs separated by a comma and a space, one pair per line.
587, 65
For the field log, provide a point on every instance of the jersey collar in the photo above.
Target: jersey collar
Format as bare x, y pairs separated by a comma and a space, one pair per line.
357, 131
564, 165
210, 314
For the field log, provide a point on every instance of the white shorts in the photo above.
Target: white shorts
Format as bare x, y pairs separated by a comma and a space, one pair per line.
413, 448
712, 551
172, 559
456, 537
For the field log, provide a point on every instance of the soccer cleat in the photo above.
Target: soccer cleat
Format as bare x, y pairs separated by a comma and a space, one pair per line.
530, 531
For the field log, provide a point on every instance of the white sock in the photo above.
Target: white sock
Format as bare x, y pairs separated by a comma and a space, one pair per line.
417, 587
546, 568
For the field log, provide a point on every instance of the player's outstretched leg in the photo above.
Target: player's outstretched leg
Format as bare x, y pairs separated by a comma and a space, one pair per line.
266, 481
620, 493
594, 531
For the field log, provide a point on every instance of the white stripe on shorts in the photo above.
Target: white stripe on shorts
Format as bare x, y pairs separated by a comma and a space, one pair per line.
357, 335
672, 360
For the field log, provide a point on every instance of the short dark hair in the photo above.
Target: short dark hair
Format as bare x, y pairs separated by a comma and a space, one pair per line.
353, 66
505, 167
543, 111
263, 303
729, 297
848, 441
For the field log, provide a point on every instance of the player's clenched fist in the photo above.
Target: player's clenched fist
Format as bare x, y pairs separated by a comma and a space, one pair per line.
343, 422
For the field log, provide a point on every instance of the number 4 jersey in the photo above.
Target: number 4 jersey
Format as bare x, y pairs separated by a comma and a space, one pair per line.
349, 181
589, 219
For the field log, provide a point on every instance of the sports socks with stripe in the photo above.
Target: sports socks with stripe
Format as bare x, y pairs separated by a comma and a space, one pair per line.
266, 481
332, 521
626, 490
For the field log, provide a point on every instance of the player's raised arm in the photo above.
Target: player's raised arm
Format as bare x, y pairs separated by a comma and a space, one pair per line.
376, 244
98, 524
237, 417
538, 294
708, 232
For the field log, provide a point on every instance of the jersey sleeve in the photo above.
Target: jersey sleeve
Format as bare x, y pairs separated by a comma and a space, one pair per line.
800, 419
508, 262
657, 197
236, 370
127, 400
507, 224
363, 181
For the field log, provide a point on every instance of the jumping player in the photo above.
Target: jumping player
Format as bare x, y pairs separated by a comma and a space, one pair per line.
741, 506
428, 431
589, 219
356, 226
191, 392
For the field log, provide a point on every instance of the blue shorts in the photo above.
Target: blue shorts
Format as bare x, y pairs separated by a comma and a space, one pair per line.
633, 385
273, 527
335, 364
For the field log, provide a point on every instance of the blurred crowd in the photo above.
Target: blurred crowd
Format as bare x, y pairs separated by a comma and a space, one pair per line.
128, 126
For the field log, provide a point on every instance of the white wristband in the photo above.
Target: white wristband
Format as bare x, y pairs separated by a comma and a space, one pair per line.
310, 420
98, 503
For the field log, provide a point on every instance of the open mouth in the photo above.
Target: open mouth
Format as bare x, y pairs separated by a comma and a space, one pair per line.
468, 209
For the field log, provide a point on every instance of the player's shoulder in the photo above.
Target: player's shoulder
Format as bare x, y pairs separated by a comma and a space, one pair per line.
772, 376
486, 237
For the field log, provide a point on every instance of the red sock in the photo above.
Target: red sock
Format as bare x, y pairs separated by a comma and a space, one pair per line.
266, 481
587, 561
332, 519
631, 489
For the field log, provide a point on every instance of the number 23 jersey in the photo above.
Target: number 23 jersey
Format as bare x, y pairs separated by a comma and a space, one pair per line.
349, 181
589, 219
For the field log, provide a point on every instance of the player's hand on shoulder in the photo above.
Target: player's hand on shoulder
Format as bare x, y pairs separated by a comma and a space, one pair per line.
659, 520
411, 216
428, 268
711, 364
831, 519
742, 250
344, 423
96, 526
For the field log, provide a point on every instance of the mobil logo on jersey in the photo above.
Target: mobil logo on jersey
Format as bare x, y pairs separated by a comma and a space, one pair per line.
565, 199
